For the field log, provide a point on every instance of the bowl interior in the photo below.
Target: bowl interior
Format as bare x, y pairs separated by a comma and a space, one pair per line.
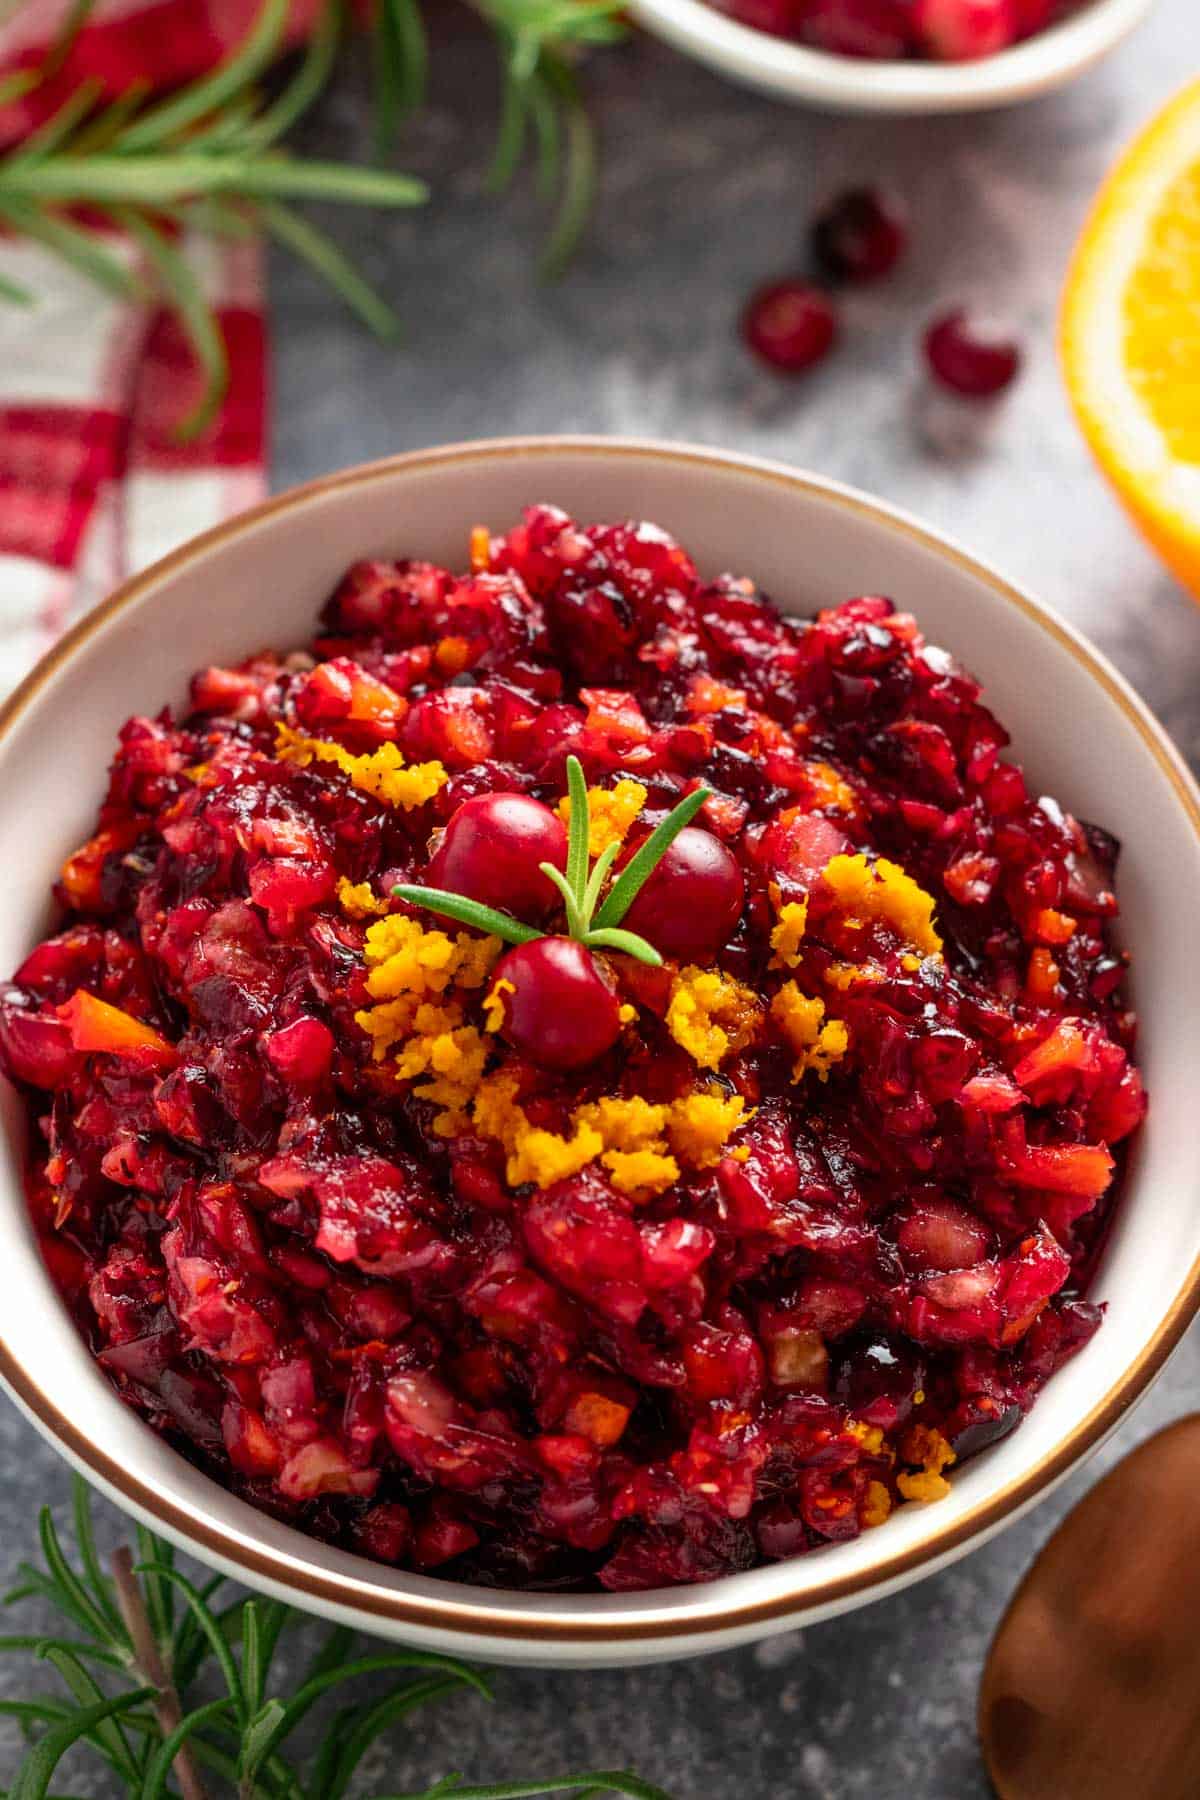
858, 84
1076, 729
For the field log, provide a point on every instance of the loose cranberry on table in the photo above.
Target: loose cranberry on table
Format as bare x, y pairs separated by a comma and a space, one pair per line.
790, 325
860, 235
591, 1208
971, 355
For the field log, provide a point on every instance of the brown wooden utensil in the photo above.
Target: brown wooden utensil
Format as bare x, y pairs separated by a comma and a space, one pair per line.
1091, 1690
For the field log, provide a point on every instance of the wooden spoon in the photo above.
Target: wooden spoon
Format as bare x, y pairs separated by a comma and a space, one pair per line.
1091, 1689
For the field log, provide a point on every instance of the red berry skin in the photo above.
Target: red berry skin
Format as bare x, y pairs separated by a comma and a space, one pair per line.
790, 325
561, 1009
491, 849
860, 236
971, 356
876, 29
963, 30
781, 18
692, 901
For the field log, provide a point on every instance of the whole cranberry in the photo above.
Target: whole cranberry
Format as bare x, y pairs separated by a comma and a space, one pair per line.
692, 901
860, 235
970, 355
560, 1003
790, 324
961, 30
491, 849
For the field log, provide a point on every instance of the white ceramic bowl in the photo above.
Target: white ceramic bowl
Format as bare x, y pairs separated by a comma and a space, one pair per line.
854, 84
1081, 734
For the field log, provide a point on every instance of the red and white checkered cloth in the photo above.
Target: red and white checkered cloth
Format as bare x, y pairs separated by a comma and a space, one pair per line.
93, 485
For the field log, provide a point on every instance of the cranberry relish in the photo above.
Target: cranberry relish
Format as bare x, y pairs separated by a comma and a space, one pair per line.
812, 1224
885, 30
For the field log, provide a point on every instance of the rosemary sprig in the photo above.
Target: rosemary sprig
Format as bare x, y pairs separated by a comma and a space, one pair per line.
540, 42
207, 155
580, 886
154, 1638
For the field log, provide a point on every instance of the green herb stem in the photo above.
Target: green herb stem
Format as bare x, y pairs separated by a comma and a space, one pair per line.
637, 872
468, 912
156, 1735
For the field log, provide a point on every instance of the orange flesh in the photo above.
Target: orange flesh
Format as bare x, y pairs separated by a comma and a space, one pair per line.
1162, 319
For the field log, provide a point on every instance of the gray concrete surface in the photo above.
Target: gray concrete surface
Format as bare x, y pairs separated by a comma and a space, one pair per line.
705, 191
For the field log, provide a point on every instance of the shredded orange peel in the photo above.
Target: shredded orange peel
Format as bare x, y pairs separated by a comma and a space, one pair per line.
382, 773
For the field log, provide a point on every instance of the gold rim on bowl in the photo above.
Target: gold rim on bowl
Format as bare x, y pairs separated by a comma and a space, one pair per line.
660, 1618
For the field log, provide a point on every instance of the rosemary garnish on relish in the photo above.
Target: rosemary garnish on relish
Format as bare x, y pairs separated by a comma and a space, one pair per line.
145, 1649
590, 922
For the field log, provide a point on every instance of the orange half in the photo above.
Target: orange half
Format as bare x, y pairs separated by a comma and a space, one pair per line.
1130, 332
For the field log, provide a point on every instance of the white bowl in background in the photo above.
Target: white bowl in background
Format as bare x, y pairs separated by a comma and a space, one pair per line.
1081, 734
855, 84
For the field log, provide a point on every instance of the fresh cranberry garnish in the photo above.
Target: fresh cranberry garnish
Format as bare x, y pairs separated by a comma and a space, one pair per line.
693, 899
560, 1004
970, 355
790, 325
491, 851
962, 30
860, 236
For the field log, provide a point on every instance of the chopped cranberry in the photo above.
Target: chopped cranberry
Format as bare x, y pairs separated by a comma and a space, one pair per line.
781, 18
790, 325
693, 899
860, 236
950, 30
935, 1234
868, 28
560, 1004
302, 1051
970, 355
879, 1380
962, 30
491, 851
444, 1253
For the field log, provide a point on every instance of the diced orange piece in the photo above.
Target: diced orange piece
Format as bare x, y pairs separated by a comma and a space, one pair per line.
95, 1026
372, 702
1065, 1050
1041, 981
80, 875
1084, 1170
828, 789
452, 655
708, 695
1053, 927
481, 550
597, 1418
615, 713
